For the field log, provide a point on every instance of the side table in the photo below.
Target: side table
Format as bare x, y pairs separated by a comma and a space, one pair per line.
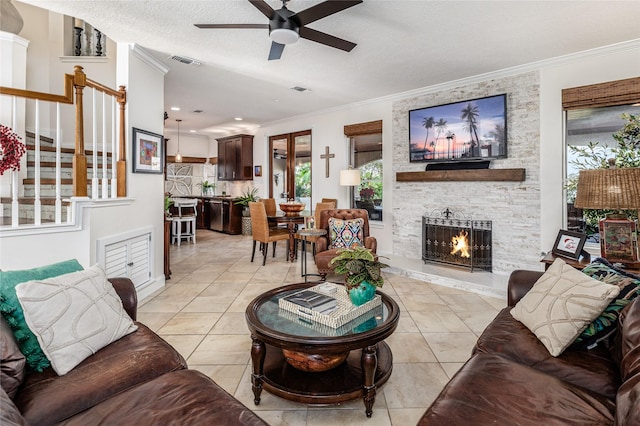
304, 234
579, 264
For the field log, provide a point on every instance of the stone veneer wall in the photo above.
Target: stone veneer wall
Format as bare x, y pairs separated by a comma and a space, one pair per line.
514, 207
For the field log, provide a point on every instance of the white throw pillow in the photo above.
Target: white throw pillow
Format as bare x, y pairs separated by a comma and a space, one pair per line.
561, 304
73, 315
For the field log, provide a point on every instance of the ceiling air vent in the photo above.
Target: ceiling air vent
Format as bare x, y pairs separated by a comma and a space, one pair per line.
185, 60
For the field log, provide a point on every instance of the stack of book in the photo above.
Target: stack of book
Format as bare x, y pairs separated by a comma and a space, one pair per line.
313, 301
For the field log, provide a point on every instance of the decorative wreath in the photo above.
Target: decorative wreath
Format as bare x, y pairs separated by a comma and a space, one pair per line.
11, 150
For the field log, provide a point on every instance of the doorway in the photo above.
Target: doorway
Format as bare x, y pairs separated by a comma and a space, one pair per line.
290, 165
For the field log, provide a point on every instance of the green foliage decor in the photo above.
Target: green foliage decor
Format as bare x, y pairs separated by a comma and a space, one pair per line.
625, 154
250, 194
359, 264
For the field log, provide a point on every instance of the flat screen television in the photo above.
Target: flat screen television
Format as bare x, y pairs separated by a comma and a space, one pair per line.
471, 130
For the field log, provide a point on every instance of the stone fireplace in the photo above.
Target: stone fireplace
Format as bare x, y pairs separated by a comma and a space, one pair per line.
452, 239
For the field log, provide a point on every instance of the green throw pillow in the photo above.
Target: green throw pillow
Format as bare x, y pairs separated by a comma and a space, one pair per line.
605, 325
12, 311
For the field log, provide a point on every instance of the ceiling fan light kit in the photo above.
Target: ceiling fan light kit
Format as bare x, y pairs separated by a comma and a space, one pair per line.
286, 27
284, 36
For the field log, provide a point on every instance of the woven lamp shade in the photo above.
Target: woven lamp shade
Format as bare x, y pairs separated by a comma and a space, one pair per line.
609, 189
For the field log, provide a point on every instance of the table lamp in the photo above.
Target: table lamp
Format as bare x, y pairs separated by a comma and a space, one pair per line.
615, 189
350, 177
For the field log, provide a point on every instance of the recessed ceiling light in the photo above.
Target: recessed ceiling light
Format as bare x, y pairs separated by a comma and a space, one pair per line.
299, 89
197, 111
175, 108
192, 131
238, 118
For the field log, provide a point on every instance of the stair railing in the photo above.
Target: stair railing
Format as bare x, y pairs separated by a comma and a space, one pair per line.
75, 82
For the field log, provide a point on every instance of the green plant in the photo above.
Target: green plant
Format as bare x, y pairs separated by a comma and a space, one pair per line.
168, 202
359, 264
250, 194
594, 156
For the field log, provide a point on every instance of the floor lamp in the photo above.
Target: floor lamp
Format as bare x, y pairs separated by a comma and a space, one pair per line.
350, 178
614, 189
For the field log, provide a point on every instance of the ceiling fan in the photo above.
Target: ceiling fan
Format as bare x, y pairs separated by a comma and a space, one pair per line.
286, 27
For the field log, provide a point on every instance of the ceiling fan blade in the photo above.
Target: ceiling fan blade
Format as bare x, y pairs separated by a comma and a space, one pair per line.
323, 9
326, 39
276, 51
263, 7
241, 26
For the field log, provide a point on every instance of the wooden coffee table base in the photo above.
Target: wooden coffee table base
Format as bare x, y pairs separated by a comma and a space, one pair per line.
358, 377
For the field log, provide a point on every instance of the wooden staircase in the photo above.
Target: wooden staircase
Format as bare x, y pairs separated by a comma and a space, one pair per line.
48, 181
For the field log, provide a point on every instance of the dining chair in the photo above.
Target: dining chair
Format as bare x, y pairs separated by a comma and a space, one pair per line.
331, 200
269, 206
261, 232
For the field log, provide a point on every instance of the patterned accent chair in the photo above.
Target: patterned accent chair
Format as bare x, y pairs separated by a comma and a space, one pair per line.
324, 250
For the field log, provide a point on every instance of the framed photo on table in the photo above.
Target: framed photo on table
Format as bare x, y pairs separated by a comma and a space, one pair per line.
619, 240
148, 152
569, 244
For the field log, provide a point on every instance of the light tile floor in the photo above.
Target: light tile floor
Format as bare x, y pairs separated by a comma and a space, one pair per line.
201, 313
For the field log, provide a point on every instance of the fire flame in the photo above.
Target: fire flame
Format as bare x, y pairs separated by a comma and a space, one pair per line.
460, 244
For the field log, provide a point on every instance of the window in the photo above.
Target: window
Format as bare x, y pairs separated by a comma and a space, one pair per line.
365, 147
592, 115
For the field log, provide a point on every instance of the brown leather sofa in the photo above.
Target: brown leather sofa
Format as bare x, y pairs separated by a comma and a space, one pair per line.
511, 379
324, 254
139, 379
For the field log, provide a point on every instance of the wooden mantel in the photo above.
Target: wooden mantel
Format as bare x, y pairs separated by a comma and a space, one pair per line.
473, 175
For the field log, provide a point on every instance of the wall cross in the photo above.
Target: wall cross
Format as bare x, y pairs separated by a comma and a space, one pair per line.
326, 157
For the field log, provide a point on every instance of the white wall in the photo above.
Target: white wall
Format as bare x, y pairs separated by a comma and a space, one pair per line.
48, 65
327, 129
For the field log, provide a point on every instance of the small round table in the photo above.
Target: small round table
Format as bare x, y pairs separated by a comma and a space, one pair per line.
304, 234
367, 366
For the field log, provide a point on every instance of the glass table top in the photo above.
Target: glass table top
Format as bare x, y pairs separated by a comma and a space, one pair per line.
283, 321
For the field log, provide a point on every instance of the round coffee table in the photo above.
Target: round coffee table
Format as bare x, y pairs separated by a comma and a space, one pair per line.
367, 366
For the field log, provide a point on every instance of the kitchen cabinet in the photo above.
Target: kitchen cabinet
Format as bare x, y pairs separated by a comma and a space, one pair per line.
235, 158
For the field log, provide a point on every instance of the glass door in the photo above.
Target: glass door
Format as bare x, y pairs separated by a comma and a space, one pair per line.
290, 165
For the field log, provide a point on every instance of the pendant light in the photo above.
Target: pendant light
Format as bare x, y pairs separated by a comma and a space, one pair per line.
178, 157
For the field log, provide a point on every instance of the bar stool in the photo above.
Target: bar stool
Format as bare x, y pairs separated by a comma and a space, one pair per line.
187, 213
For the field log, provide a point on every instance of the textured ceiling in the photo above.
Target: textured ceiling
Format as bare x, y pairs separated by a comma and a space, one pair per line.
402, 45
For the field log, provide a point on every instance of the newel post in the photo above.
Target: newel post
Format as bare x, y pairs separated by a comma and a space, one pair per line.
121, 171
79, 158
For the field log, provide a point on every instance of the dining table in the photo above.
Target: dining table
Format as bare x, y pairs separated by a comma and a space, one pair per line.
292, 221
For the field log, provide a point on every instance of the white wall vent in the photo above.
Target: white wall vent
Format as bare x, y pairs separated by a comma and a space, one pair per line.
186, 60
127, 255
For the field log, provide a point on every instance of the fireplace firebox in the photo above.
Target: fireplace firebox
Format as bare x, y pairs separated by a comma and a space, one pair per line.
449, 238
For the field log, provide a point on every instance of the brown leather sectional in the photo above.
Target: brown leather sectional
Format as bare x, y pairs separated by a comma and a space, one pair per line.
511, 379
139, 379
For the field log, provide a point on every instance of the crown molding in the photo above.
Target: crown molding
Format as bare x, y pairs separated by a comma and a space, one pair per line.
631, 46
142, 54
13, 38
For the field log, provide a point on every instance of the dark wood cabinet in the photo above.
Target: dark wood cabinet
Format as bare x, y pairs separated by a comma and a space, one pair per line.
235, 158
225, 215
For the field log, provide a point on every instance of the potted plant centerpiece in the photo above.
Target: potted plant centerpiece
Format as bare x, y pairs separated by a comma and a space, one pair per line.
362, 270
208, 188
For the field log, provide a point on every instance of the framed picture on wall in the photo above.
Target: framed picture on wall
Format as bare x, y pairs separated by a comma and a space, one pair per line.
257, 170
148, 152
569, 244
